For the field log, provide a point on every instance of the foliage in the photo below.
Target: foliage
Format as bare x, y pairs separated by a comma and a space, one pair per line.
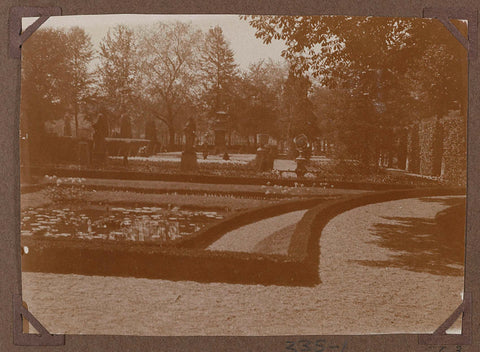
55, 80
300, 118
390, 71
80, 54
168, 72
117, 71
257, 105
45, 80
67, 189
356, 82
218, 71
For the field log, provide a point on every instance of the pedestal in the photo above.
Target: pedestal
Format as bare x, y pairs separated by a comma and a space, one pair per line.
301, 166
189, 161
264, 160
84, 153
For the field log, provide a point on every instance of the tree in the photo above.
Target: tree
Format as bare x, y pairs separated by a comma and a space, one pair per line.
117, 72
80, 53
45, 81
395, 70
343, 50
256, 105
219, 71
299, 117
169, 72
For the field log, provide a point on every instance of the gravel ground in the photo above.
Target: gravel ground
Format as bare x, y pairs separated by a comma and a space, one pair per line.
245, 238
353, 298
276, 243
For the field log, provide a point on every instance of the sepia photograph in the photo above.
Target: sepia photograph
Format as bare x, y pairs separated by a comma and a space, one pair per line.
253, 175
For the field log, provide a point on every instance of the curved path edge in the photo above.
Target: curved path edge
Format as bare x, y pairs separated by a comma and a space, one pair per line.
299, 268
304, 244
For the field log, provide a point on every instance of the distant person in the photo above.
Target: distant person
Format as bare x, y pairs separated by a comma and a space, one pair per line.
205, 150
100, 133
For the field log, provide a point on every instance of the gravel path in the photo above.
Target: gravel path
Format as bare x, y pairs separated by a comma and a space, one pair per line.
245, 238
353, 298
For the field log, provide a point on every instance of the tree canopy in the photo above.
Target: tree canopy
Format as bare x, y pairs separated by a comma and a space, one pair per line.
390, 72
169, 63
356, 81
218, 71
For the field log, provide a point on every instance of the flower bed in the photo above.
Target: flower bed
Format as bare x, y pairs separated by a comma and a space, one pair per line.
238, 177
165, 167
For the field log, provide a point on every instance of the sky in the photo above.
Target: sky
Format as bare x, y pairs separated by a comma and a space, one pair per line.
237, 32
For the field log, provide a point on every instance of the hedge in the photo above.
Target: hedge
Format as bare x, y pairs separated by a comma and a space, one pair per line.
215, 231
216, 179
305, 239
189, 262
146, 261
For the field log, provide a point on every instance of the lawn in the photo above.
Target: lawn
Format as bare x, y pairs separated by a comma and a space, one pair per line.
40, 199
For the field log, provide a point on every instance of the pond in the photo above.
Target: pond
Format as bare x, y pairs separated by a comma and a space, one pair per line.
129, 223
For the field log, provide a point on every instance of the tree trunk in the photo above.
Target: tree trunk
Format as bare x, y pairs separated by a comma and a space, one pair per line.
171, 138
76, 120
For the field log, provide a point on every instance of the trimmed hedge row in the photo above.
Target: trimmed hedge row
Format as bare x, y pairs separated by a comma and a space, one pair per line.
131, 147
53, 149
195, 178
188, 260
304, 244
66, 149
142, 260
213, 232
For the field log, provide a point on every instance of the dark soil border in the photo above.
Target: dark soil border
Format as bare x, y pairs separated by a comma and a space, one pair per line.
189, 261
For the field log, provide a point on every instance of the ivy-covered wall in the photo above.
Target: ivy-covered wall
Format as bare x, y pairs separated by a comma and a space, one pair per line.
437, 147
454, 159
413, 151
430, 146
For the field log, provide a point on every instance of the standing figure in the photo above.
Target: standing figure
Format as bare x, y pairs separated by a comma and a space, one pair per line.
189, 156
99, 135
189, 131
151, 135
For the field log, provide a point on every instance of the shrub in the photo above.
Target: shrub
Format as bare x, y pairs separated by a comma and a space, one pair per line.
66, 189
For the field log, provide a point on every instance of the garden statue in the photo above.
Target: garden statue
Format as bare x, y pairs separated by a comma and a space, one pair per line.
189, 156
205, 146
151, 135
99, 143
265, 157
220, 129
303, 147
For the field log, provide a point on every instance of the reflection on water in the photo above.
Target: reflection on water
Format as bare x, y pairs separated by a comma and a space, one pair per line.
115, 223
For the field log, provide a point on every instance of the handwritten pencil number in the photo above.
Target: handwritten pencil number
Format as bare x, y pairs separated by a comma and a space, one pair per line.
320, 344
312, 346
305, 345
291, 346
